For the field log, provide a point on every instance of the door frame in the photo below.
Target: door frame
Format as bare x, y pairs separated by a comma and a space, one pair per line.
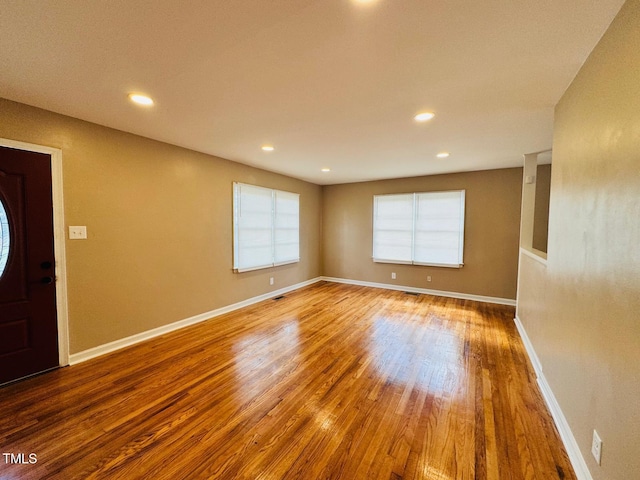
59, 238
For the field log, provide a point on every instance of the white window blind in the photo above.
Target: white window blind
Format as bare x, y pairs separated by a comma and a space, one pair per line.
393, 228
286, 227
265, 227
419, 228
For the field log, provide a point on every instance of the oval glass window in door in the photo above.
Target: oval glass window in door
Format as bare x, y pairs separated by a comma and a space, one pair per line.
5, 239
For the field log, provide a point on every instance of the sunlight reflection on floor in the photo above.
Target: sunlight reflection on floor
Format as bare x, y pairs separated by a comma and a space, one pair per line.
431, 359
259, 357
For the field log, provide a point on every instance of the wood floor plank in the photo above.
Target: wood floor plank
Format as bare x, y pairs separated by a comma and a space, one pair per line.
331, 382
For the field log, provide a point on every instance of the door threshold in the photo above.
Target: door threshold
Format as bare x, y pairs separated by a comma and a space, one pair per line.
32, 375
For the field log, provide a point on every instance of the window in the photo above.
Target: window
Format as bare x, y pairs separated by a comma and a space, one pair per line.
419, 228
5, 239
266, 227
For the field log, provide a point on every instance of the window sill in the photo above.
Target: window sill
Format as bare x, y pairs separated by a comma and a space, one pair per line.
398, 262
537, 255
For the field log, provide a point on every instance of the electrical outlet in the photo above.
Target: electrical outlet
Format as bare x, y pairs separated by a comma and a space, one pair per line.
596, 447
393, 275
271, 281
77, 232
428, 278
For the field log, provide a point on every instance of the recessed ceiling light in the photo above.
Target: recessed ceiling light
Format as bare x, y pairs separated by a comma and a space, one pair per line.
424, 116
141, 99
443, 155
325, 170
268, 148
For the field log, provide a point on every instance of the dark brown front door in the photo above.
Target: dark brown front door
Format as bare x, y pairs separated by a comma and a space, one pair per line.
28, 324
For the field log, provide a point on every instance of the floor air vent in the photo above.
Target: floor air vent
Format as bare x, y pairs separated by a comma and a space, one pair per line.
415, 294
279, 297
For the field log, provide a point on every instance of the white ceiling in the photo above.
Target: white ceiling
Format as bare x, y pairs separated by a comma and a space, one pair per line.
330, 83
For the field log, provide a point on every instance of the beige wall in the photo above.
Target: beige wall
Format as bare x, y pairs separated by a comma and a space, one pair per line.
541, 210
159, 222
582, 312
492, 223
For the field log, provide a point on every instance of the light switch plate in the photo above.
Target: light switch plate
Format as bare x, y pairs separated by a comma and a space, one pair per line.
77, 232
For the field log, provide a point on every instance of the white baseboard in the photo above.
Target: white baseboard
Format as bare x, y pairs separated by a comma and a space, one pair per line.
141, 337
573, 450
533, 356
575, 456
440, 293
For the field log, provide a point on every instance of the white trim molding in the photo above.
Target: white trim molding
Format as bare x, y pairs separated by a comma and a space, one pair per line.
573, 450
440, 293
156, 332
537, 255
58, 240
535, 361
149, 334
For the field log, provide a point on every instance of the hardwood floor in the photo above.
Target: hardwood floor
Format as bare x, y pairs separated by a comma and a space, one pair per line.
330, 382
